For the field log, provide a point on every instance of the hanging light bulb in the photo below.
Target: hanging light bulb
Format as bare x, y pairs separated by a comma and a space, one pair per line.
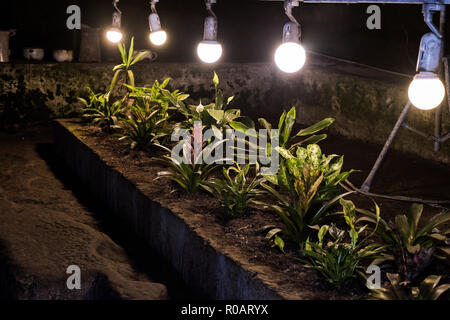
290, 56
209, 50
157, 35
426, 91
158, 38
114, 34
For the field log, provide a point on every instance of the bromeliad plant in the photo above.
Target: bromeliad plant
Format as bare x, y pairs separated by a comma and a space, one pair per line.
189, 177
100, 111
145, 127
308, 186
190, 171
216, 115
410, 246
428, 289
237, 190
340, 260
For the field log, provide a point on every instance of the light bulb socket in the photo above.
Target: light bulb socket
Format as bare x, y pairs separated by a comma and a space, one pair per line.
210, 29
425, 75
154, 22
114, 29
209, 42
430, 53
116, 19
291, 32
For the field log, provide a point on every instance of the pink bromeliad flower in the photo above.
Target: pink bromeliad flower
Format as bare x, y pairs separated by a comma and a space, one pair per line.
195, 146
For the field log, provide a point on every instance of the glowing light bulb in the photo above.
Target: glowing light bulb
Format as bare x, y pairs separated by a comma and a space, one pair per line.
114, 35
290, 57
158, 38
426, 91
209, 51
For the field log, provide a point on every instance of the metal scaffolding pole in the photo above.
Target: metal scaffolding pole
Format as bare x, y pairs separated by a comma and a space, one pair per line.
401, 119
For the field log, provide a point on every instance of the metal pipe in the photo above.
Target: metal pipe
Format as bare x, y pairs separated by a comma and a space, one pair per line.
368, 182
438, 113
447, 79
420, 133
445, 137
441, 2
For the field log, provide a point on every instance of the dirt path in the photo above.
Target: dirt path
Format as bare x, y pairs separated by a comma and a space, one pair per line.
44, 228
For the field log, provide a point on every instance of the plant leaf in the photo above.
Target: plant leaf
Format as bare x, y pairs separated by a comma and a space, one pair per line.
315, 127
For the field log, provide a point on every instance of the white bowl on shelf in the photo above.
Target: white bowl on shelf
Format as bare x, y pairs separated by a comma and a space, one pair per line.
63, 55
33, 53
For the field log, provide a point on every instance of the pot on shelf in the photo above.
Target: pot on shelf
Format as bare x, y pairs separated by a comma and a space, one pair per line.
4, 44
33, 53
63, 55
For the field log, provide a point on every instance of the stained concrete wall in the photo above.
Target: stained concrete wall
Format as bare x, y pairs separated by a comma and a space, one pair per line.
250, 30
365, 101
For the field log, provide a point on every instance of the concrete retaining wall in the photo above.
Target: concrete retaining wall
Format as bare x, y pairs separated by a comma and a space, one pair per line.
200, 264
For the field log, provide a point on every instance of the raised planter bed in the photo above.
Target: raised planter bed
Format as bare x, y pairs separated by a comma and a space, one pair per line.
221, 260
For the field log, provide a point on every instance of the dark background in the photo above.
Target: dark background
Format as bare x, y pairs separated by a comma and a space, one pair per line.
249, 30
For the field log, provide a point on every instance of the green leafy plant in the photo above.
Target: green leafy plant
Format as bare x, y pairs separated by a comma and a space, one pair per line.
153, 95
283, 134
427, 290
340, 260
410, 246
128, 60
237, 190
285, 126
147, 123
101, 111
308, 186
214, 115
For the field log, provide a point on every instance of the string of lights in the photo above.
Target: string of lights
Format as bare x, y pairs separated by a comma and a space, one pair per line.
425, 92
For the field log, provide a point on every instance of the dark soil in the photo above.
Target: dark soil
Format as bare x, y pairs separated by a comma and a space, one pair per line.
400, 175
